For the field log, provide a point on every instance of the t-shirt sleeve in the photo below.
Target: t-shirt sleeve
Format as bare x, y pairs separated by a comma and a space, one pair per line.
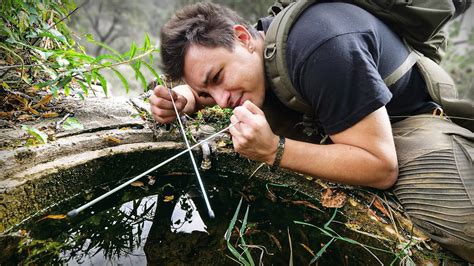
341, 81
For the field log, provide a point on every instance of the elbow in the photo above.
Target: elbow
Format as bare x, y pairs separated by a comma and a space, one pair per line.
388, 177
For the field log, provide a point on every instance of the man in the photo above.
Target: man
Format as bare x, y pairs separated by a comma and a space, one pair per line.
337, 55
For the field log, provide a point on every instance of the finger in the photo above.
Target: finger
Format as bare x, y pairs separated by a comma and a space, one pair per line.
162, 111
235, 122
160, 102
243, 114
180, 102
163, 92
252, 108
164, 119
234, 132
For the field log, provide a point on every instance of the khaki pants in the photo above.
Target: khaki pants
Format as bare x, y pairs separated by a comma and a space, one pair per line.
436, 180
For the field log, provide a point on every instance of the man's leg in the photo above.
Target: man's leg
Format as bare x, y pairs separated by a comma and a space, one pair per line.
436, 180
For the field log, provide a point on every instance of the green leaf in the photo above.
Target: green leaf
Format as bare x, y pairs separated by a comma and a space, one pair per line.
83, 87
133, 50
72, 123
107, 56
103, 83
54, 90
321, 251
122, 78
54, 34
36, 133
64, 81
139, 75
147, 44
105, 46
67, 89
151, 69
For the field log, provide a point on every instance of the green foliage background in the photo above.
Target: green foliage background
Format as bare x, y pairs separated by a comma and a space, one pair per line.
132, 21
459, 59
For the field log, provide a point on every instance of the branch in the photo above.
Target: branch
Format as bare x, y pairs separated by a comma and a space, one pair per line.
460, 42
111, 29
124, 62
113, 38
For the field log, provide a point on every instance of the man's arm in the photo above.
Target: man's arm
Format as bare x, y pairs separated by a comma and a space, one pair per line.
363, 154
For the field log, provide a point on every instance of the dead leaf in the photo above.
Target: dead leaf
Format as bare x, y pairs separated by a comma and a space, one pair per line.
25, 117
21, 100
113, 140
306, 203
50, 115
221, 143
331, 198
380, 207
322, 183
46, 99
32, 110
275, 240
137, 184
392, 231
168, 198
353, 202
54, 217
308, 249
374, 216
271, 196
6, 114
353, 226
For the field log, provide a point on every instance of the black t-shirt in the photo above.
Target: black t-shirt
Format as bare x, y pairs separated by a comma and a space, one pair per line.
338, 55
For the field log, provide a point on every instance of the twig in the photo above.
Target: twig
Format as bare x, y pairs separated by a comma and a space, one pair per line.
58, 124
256, 170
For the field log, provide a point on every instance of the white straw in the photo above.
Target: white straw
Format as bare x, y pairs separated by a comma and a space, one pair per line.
201, 185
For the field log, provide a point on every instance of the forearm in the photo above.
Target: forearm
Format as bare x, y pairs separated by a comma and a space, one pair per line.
340, 163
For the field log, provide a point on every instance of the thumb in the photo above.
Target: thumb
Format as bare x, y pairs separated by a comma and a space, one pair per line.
180, 101
252, 108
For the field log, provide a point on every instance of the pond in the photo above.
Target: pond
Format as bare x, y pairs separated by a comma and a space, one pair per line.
163, 220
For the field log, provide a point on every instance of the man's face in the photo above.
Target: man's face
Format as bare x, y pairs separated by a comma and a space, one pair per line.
230, 77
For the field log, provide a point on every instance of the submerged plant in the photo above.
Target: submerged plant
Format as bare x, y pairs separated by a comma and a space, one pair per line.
328, 231
247, 260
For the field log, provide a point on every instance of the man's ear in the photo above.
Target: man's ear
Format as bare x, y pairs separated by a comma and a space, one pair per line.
242, 35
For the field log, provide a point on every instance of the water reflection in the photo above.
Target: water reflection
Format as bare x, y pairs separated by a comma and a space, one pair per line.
185, 217
160, 224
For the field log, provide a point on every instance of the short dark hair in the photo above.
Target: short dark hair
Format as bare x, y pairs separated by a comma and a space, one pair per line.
206, 24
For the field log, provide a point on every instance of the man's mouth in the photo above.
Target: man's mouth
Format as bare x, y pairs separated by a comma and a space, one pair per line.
238, 102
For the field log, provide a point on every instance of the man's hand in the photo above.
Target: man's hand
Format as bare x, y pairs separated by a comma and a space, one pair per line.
253, 137
162, 106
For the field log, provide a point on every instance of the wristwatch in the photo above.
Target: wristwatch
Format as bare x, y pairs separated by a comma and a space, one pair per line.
279, 154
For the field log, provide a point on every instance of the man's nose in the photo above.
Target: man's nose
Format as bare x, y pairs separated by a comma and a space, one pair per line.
222, 98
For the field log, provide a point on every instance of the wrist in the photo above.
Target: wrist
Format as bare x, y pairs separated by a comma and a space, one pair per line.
278, 154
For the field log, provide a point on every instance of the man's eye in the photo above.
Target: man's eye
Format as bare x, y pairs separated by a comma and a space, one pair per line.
215, 79
203, 94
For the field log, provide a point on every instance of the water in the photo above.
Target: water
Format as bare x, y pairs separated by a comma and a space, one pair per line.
166, 223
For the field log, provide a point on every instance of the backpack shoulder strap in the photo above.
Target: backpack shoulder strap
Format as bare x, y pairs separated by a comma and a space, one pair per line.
275, 56
409, 62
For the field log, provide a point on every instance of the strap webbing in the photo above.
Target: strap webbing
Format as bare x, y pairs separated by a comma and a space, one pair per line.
411, 60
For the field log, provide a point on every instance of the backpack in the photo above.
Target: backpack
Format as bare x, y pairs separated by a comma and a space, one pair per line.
418, 22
